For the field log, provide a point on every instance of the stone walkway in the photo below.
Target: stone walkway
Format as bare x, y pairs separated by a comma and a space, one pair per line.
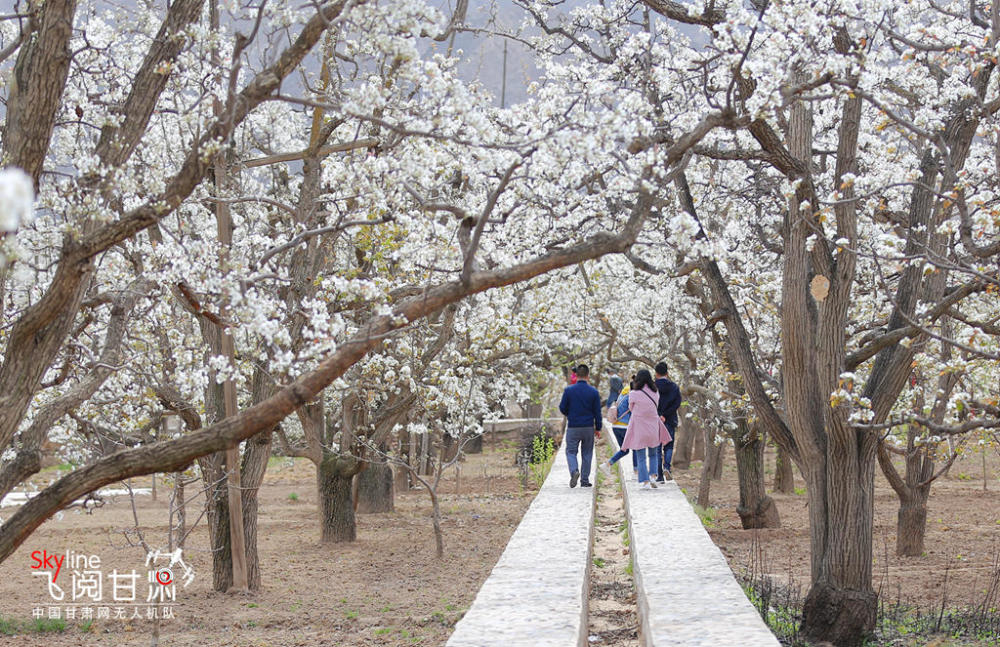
537, 593
687, 595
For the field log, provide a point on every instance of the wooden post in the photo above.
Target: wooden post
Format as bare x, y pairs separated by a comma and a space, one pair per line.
224, 222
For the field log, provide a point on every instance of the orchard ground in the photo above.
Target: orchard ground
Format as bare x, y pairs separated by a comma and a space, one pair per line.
387, 588
961, 543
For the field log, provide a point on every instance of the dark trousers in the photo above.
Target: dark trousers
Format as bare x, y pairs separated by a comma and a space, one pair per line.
620, 435
577, 438
668, 452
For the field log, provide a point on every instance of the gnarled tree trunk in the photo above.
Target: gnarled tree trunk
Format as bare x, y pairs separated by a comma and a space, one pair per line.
217, 503
756, 508
333, 480
784, 473
713, 456
375, 487
258, 450
717, 460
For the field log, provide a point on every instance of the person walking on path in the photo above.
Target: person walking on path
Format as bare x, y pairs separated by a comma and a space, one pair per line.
670, 401
615, 385
581, 404
645, 429
619, 426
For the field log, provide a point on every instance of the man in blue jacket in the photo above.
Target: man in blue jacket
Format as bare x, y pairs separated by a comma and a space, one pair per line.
670, 401
581, 404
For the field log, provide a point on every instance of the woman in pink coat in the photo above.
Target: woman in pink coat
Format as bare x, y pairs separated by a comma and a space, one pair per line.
645, 429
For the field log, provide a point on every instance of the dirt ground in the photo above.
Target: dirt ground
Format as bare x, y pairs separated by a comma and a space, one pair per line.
962, 541
613, 620
387, 588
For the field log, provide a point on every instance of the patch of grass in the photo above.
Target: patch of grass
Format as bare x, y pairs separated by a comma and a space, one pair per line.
628, 568
799, 491
13, 627
386, 609
295, 605
293, 497
87, 627
623, 529
47, 625
8, 627
707, 515
599, 562
381, 631
351, 615
252, 605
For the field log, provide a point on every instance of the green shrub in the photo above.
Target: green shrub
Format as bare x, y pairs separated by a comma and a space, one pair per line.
543, 451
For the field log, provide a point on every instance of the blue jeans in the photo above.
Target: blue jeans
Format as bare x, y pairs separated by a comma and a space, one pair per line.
577, 437
655, 461
640, 455
668, 452
620, 435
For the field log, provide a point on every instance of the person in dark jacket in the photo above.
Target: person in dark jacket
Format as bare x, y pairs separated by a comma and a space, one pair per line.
670, 401
581, 404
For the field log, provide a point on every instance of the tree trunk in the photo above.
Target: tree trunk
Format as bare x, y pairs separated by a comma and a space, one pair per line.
402, 475
178, 516
258, 450
699, 446
911, 524
427, 453
756, 508
334, 476
708, 467
717, 460
436, 517
913, 489
841, 605
474, 445
784, 474
449, 446
217, 502
683, 447
375, 491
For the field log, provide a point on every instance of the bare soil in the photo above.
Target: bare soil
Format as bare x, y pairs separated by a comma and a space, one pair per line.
613, 617
962, 540
385, 589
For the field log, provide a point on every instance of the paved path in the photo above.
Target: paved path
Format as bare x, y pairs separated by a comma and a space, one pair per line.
537, 593
687, 595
